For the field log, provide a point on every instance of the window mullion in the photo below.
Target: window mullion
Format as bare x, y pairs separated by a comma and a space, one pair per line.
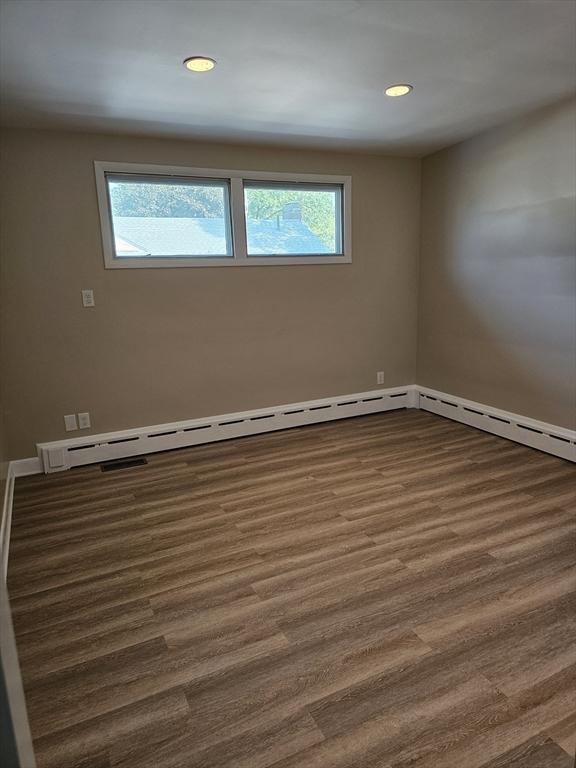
238, 219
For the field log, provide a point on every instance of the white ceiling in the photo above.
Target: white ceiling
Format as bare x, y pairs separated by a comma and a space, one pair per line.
298, 72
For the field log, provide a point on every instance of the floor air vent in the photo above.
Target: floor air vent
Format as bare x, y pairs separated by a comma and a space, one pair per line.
112, 466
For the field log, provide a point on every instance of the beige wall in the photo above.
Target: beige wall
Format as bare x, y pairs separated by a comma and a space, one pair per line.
3, 454
497, 306
171, 344
3, 449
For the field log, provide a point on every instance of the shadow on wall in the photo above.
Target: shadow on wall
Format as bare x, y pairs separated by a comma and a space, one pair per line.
498, 321
529, 289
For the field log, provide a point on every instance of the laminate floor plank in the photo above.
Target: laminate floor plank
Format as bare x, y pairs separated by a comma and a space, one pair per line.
564, 734
533, 754
389, 591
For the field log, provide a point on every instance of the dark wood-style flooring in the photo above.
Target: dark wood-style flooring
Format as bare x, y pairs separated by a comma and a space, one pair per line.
389, 591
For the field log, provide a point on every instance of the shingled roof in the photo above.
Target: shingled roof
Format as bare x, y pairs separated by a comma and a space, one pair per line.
164, 236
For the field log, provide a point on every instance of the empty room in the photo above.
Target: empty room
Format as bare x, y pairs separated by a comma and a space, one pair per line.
288, 383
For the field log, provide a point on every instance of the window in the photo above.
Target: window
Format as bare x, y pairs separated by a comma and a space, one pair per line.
293, 219
156, 216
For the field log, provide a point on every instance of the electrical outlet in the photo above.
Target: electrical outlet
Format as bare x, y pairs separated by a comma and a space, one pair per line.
380, 377
84, 420
88, 297
70, 422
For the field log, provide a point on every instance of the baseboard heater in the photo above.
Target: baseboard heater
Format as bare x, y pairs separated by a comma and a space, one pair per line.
95, 449
535, 434
65, 454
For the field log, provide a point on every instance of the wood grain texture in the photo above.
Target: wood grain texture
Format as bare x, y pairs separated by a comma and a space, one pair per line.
387, 591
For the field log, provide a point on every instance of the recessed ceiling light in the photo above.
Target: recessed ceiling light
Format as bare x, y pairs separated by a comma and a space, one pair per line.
199, 64
401, 89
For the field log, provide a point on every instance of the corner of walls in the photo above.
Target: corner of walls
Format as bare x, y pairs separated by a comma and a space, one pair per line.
497, 274
419, 268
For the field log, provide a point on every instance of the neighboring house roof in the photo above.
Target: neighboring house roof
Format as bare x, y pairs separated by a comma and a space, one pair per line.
145, 236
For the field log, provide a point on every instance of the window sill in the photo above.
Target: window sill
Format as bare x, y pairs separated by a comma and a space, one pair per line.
253, 261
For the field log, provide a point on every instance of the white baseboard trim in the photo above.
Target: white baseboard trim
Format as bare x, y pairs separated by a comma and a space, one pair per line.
64, 454
17, 713
535, 434
24, 467
18, 468
6, 521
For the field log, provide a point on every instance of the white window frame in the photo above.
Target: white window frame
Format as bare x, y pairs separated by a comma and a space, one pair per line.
235, 179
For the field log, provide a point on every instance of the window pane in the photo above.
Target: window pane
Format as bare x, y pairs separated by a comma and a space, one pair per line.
153, 216
294, 220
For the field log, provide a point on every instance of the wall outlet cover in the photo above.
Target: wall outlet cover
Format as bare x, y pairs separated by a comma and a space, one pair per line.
84, 420
88, 297
70, 422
